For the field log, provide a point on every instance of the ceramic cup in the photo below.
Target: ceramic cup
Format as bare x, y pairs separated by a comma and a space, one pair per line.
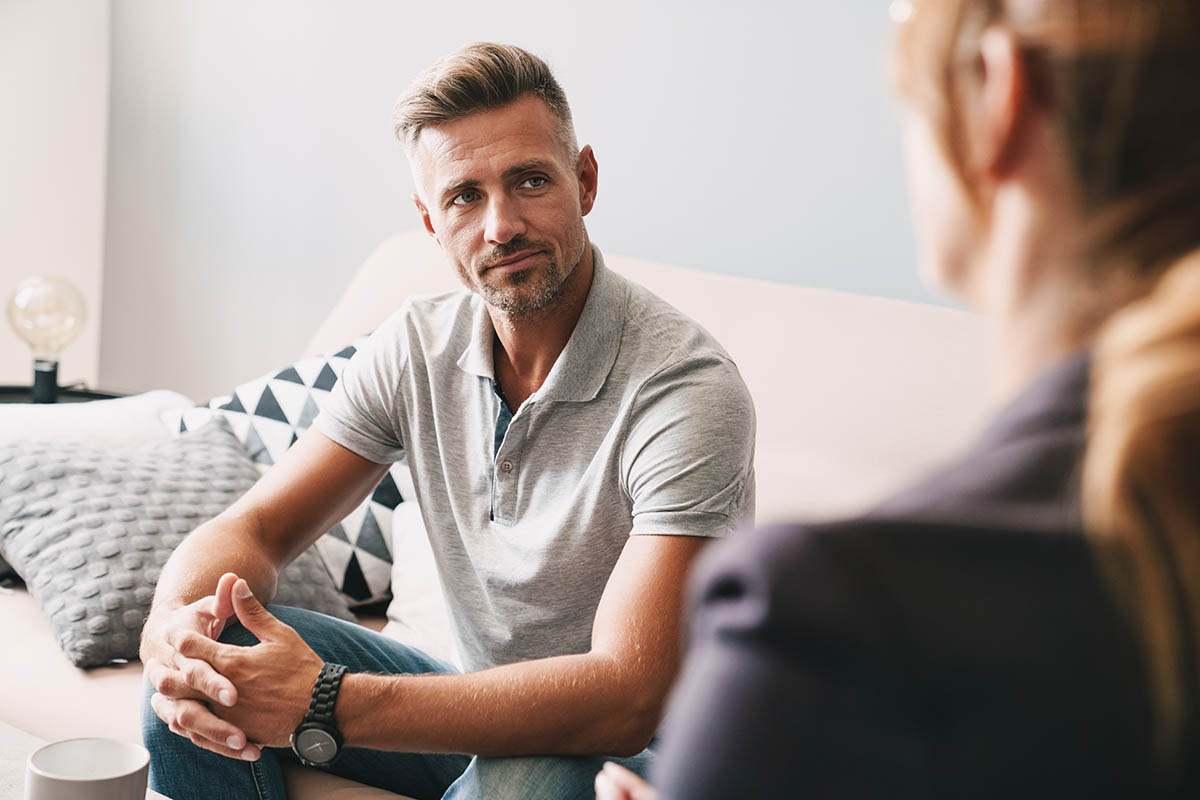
87, 769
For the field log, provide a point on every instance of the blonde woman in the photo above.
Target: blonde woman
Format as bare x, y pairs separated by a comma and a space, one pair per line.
1025, 623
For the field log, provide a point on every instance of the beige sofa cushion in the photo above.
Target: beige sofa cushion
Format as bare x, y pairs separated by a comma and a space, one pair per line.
43, 694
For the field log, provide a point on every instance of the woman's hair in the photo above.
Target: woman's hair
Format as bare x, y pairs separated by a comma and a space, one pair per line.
1117, 81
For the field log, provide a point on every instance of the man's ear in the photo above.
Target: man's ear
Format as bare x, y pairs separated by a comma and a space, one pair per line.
425, 219
1003, 105
588, 174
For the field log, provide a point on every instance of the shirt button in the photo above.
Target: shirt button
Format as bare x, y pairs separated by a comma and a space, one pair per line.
507, 466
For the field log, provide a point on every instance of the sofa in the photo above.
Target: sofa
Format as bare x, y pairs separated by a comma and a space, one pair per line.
856, 397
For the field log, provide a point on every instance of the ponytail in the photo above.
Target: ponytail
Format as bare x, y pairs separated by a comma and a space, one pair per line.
1141, 482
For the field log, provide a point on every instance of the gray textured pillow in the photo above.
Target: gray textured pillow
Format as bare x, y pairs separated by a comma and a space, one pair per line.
89, 531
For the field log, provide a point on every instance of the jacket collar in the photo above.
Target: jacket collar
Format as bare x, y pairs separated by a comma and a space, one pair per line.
1055, 400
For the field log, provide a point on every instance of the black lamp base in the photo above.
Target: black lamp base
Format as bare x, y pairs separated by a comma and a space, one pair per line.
45, 381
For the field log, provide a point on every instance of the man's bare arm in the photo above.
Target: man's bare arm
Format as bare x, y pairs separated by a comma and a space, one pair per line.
606, 701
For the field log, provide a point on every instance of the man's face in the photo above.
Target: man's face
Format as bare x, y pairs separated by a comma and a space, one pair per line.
505, 199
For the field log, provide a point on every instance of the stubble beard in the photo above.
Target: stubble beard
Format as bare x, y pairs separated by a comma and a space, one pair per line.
528, 291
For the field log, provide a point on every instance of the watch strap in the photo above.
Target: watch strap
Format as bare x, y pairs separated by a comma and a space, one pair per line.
325, 692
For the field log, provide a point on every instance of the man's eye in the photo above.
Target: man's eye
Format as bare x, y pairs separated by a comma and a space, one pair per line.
536, 182
465, 198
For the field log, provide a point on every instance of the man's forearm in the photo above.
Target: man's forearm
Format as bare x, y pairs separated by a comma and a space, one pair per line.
577, 704
224, 544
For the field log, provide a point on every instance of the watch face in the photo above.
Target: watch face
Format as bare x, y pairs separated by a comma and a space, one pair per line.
315, 745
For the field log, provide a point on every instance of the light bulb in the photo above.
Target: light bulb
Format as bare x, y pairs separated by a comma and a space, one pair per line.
47, 313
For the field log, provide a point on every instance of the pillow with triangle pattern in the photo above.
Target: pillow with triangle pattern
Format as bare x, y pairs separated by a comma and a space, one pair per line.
268, 414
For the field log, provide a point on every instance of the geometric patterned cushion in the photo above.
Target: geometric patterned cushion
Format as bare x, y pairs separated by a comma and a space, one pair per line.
268, 415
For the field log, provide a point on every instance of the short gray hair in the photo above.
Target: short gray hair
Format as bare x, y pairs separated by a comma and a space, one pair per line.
480, 77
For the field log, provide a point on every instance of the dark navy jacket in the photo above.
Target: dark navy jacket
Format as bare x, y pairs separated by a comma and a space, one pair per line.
957, 642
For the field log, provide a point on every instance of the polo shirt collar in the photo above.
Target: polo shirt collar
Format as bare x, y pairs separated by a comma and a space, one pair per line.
584, 364
477, 357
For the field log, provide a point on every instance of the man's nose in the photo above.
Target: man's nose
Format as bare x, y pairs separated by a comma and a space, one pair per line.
504, 221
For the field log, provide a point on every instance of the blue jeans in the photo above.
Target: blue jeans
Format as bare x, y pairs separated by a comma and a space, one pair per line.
182, 771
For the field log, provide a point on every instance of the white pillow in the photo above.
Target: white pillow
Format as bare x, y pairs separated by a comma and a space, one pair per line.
269, 414
417, 614
121, 422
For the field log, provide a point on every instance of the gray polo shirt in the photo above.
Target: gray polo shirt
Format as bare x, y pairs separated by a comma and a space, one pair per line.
643, 426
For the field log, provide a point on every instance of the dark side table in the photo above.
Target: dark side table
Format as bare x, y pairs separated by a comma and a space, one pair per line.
20, 394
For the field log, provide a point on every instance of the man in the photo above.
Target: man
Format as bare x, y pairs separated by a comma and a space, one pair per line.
574, 441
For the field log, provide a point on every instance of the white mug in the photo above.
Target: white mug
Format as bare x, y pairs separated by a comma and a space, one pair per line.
87, 769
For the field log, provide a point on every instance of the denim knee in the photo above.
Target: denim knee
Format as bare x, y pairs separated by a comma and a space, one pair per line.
236, 633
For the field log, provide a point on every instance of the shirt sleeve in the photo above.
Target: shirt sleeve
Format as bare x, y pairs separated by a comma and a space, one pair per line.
364, 408
688, 462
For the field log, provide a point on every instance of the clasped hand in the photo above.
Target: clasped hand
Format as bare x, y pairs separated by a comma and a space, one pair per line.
228, 699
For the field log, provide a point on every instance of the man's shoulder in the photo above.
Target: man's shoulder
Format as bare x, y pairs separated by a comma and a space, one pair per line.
429, 318
438, 309
658, 336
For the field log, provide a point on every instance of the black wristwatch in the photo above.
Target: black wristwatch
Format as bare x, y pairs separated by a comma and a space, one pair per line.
316, 740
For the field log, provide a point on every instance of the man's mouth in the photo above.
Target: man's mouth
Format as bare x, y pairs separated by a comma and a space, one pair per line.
515, 263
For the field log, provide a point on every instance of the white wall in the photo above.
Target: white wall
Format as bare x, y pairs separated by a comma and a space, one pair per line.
252, 165
54, 112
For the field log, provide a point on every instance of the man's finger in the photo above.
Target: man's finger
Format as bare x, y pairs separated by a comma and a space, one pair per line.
607, 790
628, 783
206, 681
206, 606
252, 615
194, 645
223, 596
249, 753
212, 616
194, 719
168, 681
